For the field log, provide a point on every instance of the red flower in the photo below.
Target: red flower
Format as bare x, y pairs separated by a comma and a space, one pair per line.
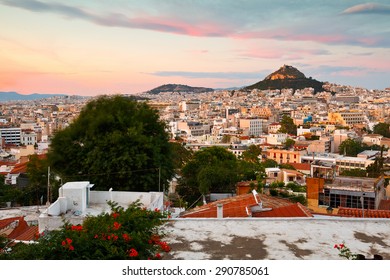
115, 215
77, 228
341, 246
133, 252
336, 246
117, 225
158, 256
96, 236
156, 210
165, 247
68, 240
63, 243
71, 248
126, 237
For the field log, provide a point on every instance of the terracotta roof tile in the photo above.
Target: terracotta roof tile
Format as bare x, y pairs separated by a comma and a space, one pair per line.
293, 210
240, 206
368, 213
19, 168
300, 166
22, 231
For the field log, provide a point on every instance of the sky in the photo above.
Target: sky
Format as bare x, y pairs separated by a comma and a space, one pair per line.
94, 47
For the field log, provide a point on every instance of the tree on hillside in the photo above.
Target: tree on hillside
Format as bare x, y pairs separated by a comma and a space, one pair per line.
115, 143
287, 125
382, 129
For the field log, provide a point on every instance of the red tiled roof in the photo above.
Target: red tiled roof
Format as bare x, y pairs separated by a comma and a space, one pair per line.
22, 231
368, 213
19, 168
232, 207
6, 222
300, 166
293, 210
240, 206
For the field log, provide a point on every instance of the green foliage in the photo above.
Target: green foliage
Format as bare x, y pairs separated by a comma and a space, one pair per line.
252, 154
115, 143
268, 163
356, 172
286, 166
295, 187
287, 125
382, 129
212, 169
181, 155
352, 148
123, 234
289, 143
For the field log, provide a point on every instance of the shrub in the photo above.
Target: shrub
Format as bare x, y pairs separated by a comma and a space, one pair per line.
131, 233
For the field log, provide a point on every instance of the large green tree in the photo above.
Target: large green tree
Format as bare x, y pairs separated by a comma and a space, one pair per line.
352, 147
213, 169
382, 129
287, 125
252, 154
117, 143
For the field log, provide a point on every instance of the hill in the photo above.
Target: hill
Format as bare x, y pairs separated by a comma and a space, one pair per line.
13, 96
287, 77
179, 88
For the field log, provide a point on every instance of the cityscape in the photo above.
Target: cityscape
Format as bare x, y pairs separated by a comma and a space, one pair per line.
277, 150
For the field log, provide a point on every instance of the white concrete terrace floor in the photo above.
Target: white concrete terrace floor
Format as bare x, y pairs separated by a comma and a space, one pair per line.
275, 238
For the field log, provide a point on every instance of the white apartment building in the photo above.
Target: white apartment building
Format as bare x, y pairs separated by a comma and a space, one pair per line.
347, 118
192, 128
28, 137
253, 126
11, 135
276, 138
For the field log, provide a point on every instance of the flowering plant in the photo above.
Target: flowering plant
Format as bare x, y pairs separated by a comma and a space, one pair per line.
345, 252
132, 233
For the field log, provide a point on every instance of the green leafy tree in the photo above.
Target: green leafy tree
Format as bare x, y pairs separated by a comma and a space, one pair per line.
287, 125
116, 143
268, 163
252, 154
352, 147
289, 143
213, 169
181, 155
382, 129
124, 234
355, 172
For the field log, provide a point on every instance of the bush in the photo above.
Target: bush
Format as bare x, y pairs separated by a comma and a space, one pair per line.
131, 234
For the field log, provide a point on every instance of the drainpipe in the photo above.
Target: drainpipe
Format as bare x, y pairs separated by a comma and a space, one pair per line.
220, 211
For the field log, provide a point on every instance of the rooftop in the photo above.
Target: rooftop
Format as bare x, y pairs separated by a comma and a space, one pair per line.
276, 238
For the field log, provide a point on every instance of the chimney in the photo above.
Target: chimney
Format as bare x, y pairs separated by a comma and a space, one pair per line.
220, 211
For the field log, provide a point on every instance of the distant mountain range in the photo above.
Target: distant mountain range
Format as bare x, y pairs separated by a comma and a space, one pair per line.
14, 96
179, 88
287, 77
